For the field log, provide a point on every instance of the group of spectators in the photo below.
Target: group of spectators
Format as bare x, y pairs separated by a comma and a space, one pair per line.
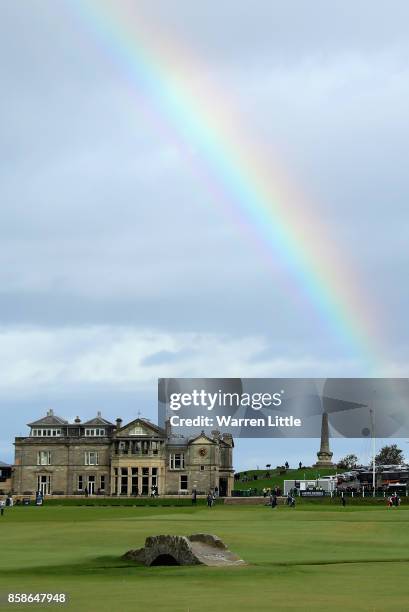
245, 477
210, 497
267, 492
394, 500
4, 503
273, 500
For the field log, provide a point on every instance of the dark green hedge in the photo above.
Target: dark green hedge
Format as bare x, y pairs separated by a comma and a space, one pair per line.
128, 502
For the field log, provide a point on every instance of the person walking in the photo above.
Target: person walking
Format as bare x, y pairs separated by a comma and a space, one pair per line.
343, 501
2, 506
194, 497
274, 501
209, 500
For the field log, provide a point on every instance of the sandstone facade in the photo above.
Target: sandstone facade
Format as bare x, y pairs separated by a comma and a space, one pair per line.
100, 457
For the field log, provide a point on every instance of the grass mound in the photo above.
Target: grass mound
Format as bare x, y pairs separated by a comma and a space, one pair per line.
256, 479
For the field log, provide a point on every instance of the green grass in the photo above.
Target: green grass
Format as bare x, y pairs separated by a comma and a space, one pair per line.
308, 558
277, 479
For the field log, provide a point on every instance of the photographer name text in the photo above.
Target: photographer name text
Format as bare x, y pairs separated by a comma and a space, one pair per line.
230, 421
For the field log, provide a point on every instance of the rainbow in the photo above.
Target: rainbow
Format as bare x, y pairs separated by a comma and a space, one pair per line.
255, 194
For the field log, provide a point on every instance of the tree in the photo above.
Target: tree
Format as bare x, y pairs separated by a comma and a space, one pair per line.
268, 466
348, 462
390, 455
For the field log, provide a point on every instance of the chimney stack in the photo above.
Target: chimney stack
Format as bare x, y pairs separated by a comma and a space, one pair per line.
118, 423
228, 438
168, 429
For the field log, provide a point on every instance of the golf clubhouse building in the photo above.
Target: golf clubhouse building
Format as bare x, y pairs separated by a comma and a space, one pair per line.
98, 457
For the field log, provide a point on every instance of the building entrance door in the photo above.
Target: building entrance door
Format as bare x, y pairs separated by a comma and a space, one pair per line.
91, 485
222, 487
43, 484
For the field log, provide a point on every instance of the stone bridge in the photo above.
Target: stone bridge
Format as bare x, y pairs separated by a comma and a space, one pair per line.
197, 549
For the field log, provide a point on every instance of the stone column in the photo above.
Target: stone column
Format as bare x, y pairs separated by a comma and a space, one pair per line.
162, 483
118, 481
69, 476
112, 480
324, 454
129, 484
150, 480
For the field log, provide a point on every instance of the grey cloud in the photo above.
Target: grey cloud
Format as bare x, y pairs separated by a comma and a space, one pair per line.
101, 221
164, 357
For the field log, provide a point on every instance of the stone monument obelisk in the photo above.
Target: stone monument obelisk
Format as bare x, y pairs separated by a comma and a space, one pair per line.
324, 454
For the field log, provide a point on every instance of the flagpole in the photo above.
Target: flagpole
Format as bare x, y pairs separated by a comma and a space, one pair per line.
372, 412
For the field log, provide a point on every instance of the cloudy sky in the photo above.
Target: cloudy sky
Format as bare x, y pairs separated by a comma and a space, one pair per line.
119, 265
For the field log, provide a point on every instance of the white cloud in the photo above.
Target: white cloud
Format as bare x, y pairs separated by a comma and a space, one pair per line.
32, 359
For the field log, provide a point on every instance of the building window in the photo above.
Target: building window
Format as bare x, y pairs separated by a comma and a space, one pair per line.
202, 467
137, 431
154, 477
183, 482
134, 482
177, 461
95, 432
45, 433
102, 482
80, 486
44, 458
124, 481
145, 481
91, 458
